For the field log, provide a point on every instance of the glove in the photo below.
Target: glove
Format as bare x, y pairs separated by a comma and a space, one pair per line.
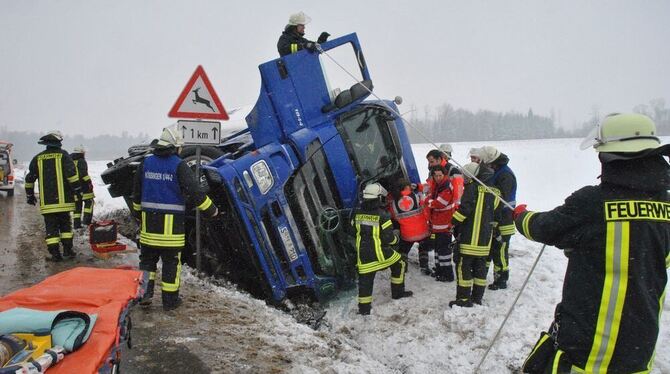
518, 210
310, 46
323, 37
90, 186
31, 200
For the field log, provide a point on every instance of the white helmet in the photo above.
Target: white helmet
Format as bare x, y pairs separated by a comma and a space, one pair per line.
79, 149
446, 148
623, 133
374, 191
299, 18
490, 154
471, 169
52, 137
171, 136
477, 153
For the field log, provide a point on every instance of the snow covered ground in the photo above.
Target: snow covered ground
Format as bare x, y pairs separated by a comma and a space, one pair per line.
422, 334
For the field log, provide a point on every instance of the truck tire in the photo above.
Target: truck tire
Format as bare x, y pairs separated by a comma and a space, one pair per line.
207, 155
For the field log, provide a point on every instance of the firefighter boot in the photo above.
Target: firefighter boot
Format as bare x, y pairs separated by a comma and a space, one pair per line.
55, 254
364, 309
76, 222
68, 253
398, 291
465, 303
449, 273
171, 300
146, 299
478, 294
500, 282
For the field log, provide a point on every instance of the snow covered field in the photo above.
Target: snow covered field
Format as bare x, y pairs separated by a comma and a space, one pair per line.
422, 334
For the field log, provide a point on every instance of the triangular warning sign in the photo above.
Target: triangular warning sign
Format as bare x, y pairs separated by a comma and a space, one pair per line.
198, 99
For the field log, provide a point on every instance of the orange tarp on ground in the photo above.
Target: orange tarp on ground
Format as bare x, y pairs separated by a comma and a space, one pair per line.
105, 292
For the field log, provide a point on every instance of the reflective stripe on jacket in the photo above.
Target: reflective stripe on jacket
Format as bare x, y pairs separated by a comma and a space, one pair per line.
57, 177
374, 238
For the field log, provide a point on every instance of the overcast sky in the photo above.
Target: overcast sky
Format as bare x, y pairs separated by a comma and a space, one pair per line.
95, 67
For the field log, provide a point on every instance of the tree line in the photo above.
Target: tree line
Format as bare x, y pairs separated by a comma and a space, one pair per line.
102, 147
448, 124
443, 124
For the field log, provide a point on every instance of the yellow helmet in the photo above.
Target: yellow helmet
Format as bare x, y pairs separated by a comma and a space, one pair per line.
628, 132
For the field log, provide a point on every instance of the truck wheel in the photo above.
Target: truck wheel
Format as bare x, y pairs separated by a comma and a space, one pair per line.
207, 155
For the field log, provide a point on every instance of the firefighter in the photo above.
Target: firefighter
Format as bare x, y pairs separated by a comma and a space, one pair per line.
474, 227
374, 241
293, 39
441, 201
407, 210
59, 188
505, 181
84, 207
164, 183
616, 236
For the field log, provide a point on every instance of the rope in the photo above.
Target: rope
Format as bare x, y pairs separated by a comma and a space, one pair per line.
414, 127
509, 312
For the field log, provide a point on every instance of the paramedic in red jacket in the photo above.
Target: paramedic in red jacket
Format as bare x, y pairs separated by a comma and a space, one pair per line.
442, 207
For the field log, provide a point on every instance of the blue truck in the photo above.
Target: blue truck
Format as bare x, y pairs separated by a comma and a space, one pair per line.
285, 185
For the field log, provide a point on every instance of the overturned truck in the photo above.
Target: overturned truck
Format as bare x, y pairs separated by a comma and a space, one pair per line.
285, 185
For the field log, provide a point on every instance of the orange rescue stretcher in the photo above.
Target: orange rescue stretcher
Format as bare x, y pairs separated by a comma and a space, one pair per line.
108, 293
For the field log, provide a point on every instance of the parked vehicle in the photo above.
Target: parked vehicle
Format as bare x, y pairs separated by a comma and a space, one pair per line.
285, 185
6, 168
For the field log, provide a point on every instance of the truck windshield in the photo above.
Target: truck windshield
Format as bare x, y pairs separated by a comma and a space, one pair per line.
369, 140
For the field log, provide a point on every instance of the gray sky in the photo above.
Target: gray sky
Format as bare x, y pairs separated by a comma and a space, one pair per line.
95, 67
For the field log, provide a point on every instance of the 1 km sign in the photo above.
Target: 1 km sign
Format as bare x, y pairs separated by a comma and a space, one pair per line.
200, 132
198, 100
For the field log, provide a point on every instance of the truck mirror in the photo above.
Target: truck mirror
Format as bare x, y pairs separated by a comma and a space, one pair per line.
360, 89
343, 99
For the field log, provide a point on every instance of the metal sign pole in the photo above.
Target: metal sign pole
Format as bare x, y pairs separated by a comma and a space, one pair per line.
197, 212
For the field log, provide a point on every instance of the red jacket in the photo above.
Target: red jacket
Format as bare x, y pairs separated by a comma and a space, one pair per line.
442, 206
409, 213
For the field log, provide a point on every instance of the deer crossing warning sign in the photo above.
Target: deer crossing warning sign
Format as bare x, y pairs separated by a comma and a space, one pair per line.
198, 100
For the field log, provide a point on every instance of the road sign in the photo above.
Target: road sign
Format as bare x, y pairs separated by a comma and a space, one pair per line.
198, 99
200, 132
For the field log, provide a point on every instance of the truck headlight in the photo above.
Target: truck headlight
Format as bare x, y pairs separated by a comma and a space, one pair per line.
263, 176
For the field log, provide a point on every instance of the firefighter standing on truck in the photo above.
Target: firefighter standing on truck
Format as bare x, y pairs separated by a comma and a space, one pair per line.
58, 185
83, 208
374, 238
163, 185
293, 39
616, 236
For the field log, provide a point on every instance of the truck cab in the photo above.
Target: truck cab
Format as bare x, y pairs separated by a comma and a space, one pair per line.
285, 196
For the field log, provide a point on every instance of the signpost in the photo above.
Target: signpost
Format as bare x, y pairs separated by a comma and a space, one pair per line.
199, 101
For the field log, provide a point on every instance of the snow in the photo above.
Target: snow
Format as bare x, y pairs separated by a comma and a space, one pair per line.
422, 334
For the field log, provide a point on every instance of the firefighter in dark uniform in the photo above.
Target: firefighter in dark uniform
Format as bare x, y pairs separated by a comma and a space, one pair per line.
505, 181
84, 207
163, 185
58, 186
374, 241
616, 236
293, 39
474, 227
